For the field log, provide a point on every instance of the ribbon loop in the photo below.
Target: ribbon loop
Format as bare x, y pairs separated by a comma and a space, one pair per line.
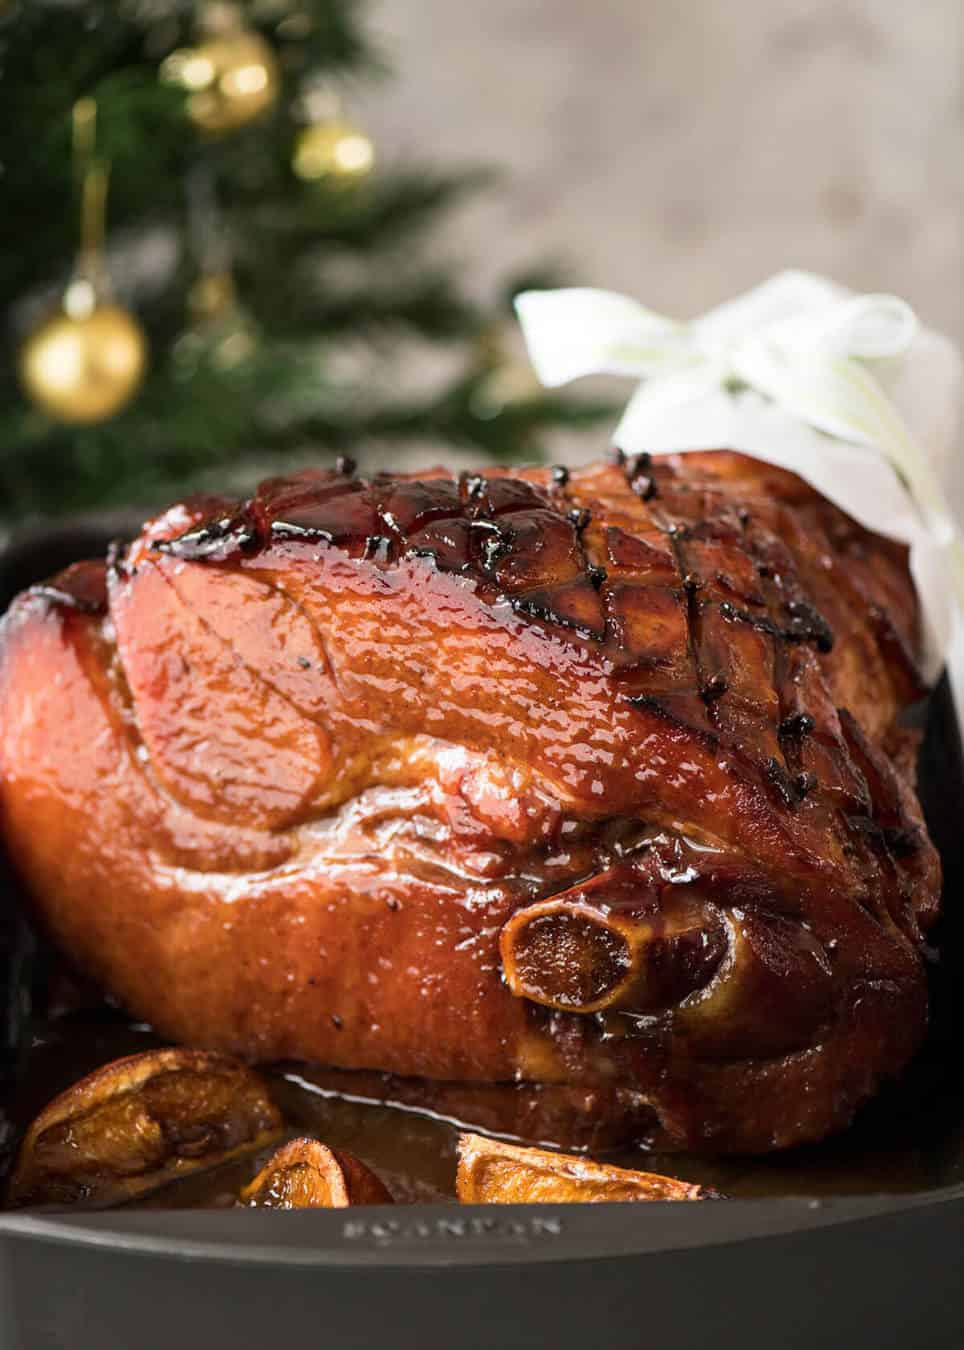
805, 354
866, 328
804, 349
581, 331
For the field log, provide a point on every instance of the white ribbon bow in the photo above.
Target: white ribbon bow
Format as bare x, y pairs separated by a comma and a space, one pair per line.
811, 355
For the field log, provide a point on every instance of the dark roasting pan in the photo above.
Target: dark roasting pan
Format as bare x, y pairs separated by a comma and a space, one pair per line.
845, 1269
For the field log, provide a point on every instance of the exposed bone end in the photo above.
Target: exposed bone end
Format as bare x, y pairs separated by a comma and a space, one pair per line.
585, 956
772, 996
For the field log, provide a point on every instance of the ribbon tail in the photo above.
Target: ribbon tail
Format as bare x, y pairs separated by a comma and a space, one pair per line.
581, 331
841, 397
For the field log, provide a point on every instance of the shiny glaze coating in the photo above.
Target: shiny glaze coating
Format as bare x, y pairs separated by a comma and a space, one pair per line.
281, 773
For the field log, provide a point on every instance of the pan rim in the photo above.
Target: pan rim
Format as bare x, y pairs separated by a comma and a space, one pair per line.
467, 1235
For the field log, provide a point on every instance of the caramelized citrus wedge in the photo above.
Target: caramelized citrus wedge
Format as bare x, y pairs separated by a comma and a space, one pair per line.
493, 1173
139, 1123
307, 1174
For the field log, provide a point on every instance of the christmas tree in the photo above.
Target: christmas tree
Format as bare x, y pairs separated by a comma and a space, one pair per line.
208, 272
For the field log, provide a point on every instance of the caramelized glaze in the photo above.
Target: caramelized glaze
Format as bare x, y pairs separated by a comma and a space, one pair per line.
289, 776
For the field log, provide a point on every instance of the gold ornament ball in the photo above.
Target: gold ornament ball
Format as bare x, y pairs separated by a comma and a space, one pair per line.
231, 80
84, 369
333, 149
212, 296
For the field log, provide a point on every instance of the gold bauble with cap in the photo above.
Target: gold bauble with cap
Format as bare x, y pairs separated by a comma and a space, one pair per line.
231, 77
221, 332
84, 363
335, 149
330, 146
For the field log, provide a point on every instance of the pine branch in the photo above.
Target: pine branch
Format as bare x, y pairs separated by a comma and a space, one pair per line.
430, 306
391, 209
319, 267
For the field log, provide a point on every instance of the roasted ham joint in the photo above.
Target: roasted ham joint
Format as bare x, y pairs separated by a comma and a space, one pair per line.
591, 782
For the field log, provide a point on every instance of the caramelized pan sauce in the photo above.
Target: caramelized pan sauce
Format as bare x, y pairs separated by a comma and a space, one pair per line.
906, 1141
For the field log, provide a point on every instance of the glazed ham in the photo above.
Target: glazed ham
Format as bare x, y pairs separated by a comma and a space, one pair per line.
592, 782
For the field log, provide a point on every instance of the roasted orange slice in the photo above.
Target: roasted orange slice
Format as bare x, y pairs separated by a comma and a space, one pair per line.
307, 1174
139, 1123
493, 1173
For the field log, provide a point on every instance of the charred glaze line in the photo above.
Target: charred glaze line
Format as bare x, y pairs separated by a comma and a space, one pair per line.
282, 529
647, 703
797, 725
715, 687
896, 650
378, 548
65, 599
897, 841
389, 523
777, 776
903, 840
806, 624
793, 725
639, 479
636, 471
392, 532
636, 464
215, 539
472, 492
871, 830
694, 626
496, 545
580, 518
853, 743
533, 610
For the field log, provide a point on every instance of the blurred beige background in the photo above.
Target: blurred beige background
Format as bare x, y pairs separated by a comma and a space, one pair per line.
683, 149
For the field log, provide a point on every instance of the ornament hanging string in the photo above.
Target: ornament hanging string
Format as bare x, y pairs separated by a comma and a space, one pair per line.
87, 360
94, 176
